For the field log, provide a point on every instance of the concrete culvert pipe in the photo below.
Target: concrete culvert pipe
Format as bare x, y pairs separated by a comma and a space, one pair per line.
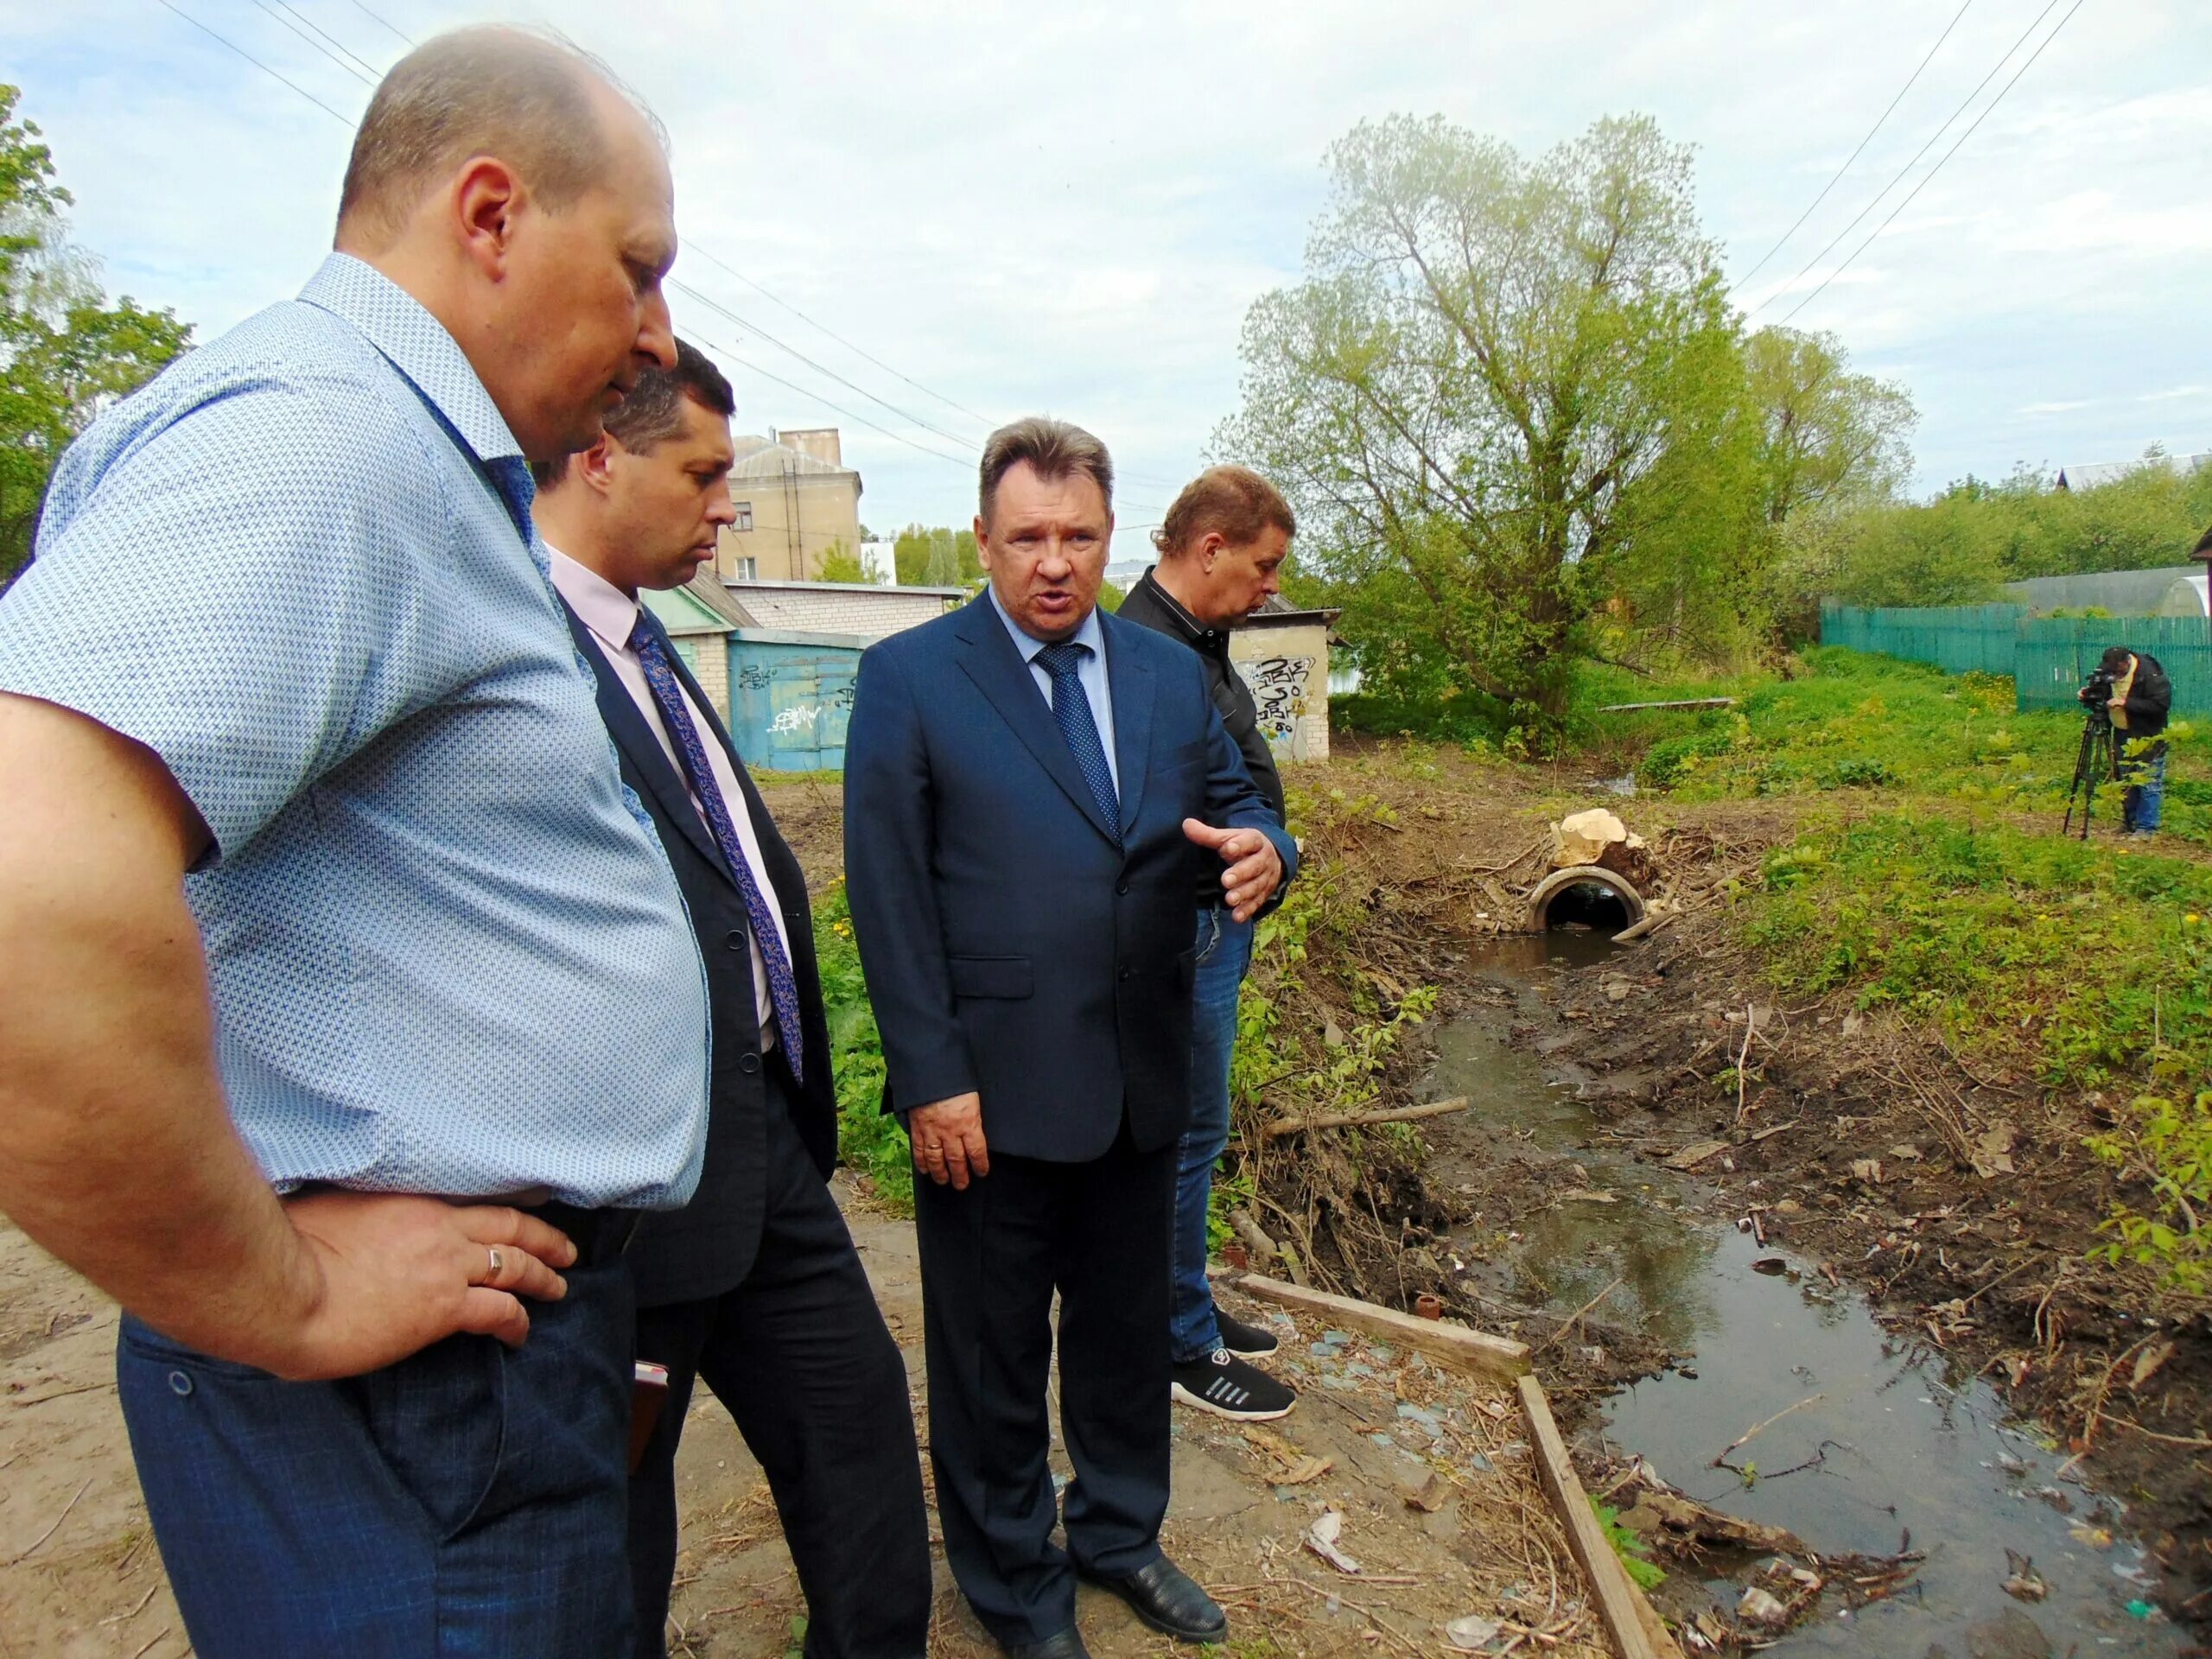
1584, 893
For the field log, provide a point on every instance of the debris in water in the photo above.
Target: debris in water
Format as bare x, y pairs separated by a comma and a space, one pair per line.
1771, 1265
2022, 1582
1762, 1608
1691, 1156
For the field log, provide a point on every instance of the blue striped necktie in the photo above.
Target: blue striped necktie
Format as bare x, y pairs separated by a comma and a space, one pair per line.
1071, 709
783, 989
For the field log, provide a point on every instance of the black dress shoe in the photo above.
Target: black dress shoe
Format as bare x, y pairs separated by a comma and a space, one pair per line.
1062, 1645
1165, 1597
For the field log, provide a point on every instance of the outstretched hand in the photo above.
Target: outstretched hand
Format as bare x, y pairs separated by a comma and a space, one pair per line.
1254, 867
390, 1275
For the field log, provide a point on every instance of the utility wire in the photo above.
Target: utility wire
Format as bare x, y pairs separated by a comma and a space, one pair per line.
819, 368
686, 287
712, 260
1938, 168
332, 39
1855, 154
256, 62
1814, 263
708, 255
372, 17
724, 351
365, 80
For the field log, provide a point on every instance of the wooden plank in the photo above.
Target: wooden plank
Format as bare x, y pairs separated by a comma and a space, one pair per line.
1609, 1589
1498, 1357
1350, 1120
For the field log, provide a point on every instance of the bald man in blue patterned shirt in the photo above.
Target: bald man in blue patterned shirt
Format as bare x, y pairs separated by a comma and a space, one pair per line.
353, 1013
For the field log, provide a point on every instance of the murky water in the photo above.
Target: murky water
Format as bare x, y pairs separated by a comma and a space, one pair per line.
1893, 1440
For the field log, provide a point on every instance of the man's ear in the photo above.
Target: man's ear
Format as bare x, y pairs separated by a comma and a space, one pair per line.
1209, 550
486, 200
982, 543
595, 465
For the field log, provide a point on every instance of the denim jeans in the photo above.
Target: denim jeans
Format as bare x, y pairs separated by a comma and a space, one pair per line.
2145, 777
469, 1500
1224, 948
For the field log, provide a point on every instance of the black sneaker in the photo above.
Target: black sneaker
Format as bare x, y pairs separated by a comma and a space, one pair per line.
1246, 1341
1226, 1386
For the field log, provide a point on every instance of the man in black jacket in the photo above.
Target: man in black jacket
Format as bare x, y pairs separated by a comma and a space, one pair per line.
755, 1286
1221, 548
2138, 698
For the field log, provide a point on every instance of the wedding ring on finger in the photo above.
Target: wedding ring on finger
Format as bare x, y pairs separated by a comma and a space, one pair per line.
496, 1262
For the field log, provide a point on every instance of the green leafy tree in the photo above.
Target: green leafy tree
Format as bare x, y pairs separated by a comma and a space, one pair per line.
64, 351
840, 563
936, 558
1502, 382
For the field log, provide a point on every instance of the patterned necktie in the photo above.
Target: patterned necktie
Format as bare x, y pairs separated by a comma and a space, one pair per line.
783, 989
1071, 709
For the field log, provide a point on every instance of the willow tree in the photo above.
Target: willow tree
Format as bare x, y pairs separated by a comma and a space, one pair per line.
1502, 385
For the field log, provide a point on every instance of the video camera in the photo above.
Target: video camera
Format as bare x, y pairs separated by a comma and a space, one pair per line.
2096, 694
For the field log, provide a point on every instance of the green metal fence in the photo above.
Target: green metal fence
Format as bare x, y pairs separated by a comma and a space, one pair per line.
2047, 657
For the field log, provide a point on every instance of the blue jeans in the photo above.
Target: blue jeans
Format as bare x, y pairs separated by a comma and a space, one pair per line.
466, 1501
1224, 948
2145, 777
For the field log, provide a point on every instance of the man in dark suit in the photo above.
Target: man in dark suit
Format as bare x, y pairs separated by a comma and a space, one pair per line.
755, 1286
1032, 790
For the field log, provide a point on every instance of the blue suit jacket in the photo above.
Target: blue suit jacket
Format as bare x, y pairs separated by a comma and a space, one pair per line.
1010, 947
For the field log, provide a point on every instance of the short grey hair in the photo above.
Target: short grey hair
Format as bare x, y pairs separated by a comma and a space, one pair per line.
493, 90
1053, 448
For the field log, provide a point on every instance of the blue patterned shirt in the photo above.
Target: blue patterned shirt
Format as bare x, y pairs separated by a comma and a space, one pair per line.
447, 953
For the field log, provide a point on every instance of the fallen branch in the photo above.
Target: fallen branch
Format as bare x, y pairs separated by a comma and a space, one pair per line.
1353, 1120
1681, 702
1575, 1318
1758, 1429
1262, 1245
1652, 922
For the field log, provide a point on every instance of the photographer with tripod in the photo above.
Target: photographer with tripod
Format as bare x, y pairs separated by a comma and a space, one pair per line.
2128, 697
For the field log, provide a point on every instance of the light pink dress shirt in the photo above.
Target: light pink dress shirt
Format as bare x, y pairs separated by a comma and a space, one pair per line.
611, 615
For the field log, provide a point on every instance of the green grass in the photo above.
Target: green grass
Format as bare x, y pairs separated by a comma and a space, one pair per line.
869, 1141
1854, 722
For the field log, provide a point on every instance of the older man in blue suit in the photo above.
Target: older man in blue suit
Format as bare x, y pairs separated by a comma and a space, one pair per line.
1032, 790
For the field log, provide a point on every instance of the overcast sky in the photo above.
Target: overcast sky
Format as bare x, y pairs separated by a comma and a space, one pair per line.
1068, 209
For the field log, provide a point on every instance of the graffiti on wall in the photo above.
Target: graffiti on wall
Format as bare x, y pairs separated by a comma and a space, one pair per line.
803, 717
1280, 686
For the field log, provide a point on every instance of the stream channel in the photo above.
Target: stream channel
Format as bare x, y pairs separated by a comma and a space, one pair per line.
1903, 1442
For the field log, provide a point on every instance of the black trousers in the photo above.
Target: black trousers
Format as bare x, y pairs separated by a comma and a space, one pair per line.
799, 1354
991, 1258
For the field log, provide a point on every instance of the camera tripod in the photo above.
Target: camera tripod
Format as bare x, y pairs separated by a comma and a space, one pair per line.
2099, 759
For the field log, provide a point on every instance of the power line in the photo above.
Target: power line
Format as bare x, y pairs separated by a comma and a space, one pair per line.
256, 62
327, 35
372, 17
1810, 264
712, 260
1938, 168
1855, 154
703, 299
819, 368
724, 351
376, 73
365, 80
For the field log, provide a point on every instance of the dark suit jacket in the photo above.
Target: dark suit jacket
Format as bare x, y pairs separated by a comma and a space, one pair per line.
707, 1246
1010, 947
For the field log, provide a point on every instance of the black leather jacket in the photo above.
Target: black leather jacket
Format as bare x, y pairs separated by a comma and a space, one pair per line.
1153, 606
